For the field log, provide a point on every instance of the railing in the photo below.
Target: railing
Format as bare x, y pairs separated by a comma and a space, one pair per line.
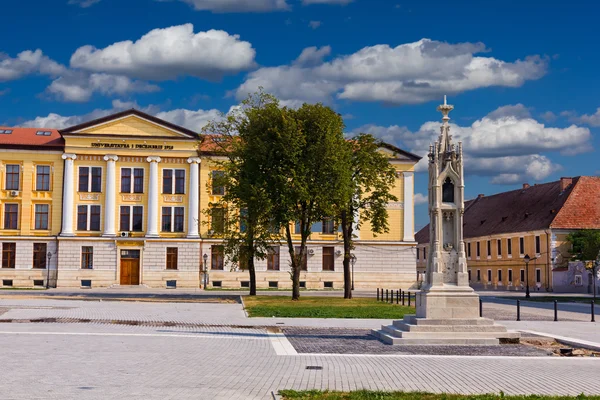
401, 296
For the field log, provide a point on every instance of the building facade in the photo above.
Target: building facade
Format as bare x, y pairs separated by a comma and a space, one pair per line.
502, 229
125, 204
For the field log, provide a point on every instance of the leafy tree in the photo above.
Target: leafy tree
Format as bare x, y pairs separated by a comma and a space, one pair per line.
586, 248
247, 227
372, 178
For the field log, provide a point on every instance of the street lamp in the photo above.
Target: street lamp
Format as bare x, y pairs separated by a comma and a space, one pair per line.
205, 257
49, 255
527, 259
353, 261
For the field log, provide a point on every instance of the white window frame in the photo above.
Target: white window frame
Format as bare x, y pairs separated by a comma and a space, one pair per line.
172, 218
489, 249
88, 216
89, 167
538, 271
132, 184
478, 250
535, 242
578, 280
131, 217
509, 254
499, 255
522, 275
173, 180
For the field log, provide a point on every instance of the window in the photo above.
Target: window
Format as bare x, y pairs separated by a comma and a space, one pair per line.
469, 275
41, 216
87, 257
478, 249
424, 253
217, 220
174, 181
172, 219
489, 275
132, 218
12, 177
39, 255
9, 252
43, 133
5, 131
328, 226
138, 180
90, 182
521, 246
125, 180
499, 242
217, 257
578, 280
522, 275
304, 260
538, 246
88, 218
448, 191
42, 177
478, 275
328, 259
499, 275
171, 257
469, 249
417, 254
217, 185
273, 259
510, 277
509, 247
489, 248
11, 216
538, 275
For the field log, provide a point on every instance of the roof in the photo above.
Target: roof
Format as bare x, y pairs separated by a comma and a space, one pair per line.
73, 129
582, 208
27, 138
395, 149
528, 209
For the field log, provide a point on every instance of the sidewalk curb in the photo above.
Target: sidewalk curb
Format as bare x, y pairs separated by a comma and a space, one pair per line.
584, 344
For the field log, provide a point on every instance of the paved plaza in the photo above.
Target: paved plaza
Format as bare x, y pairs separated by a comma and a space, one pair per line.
213, 351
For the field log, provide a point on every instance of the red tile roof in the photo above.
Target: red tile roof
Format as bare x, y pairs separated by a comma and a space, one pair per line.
582, 208
27, 138
537, 207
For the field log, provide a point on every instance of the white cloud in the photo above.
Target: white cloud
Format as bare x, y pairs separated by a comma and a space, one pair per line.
420, 199
233, 6
83, 3
168, 53
191, 119
548, 116
312, 56
406, 74
507, 144
342, 2
26, 63
314, 24
588, 119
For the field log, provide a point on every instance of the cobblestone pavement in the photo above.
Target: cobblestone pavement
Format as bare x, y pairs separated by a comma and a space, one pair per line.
100, 362
359, 341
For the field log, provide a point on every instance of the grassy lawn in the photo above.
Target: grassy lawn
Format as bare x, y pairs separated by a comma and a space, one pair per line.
560, 299
369, 395
322, 307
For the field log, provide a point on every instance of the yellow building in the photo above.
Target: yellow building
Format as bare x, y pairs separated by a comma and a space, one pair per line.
125, 207
503, 229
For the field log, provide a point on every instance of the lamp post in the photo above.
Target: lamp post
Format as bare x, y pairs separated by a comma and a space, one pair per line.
527, 259
353, 261
49, 255
205, 257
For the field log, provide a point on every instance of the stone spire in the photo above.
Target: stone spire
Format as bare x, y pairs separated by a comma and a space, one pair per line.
445, 138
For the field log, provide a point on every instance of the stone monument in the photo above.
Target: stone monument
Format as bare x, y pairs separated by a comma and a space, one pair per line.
447, 307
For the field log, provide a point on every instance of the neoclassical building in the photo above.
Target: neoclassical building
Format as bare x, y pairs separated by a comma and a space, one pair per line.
122, 200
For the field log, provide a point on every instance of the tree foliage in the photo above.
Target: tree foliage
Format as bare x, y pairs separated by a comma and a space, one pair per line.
585, 244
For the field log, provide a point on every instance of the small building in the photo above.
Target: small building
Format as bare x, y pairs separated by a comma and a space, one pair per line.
500, 230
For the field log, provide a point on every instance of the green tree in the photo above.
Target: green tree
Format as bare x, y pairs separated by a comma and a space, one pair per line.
307, 166
246, 227
586, 247
372, 178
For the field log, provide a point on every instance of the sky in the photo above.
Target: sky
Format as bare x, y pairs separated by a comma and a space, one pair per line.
522, 75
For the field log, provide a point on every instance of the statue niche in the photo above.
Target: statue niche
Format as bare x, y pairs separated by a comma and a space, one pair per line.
448, 191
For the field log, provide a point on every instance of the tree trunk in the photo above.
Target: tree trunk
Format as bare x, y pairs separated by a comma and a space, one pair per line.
347, 234
295, 265
252, 272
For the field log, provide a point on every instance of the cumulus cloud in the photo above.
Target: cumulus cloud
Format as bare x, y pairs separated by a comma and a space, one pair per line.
83, 3
234, 6
548, 116
312, 56
420, 199
167, 53
26, 63
410, 73
507, 144
587, 119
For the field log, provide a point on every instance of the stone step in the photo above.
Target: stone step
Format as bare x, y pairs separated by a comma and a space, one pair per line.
413, 320
393, 331
388, 339
402, 325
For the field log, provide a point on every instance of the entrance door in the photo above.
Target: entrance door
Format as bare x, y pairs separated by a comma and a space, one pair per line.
130, 267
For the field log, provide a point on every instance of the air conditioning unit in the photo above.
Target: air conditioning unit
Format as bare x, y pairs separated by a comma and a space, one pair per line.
14, 193
125, 234
311, 252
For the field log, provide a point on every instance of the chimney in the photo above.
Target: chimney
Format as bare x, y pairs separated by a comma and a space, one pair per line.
480, 195
565, 183
526, 186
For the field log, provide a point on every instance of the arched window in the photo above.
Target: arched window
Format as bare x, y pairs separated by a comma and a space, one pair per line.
448, 191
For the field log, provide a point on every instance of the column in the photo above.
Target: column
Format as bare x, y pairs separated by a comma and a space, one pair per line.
193, 198
152, 229
68, 195
110, 198
409, 207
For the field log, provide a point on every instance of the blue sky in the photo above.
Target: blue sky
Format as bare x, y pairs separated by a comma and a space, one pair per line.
522, 75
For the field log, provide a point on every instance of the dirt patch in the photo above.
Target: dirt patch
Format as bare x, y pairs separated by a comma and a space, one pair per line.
556, 348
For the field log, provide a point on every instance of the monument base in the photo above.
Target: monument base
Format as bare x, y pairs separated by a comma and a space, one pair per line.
446, 316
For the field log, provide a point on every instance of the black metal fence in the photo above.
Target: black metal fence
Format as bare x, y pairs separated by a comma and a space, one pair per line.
397, 296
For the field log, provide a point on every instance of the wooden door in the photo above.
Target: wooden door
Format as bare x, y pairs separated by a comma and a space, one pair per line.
130, 271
